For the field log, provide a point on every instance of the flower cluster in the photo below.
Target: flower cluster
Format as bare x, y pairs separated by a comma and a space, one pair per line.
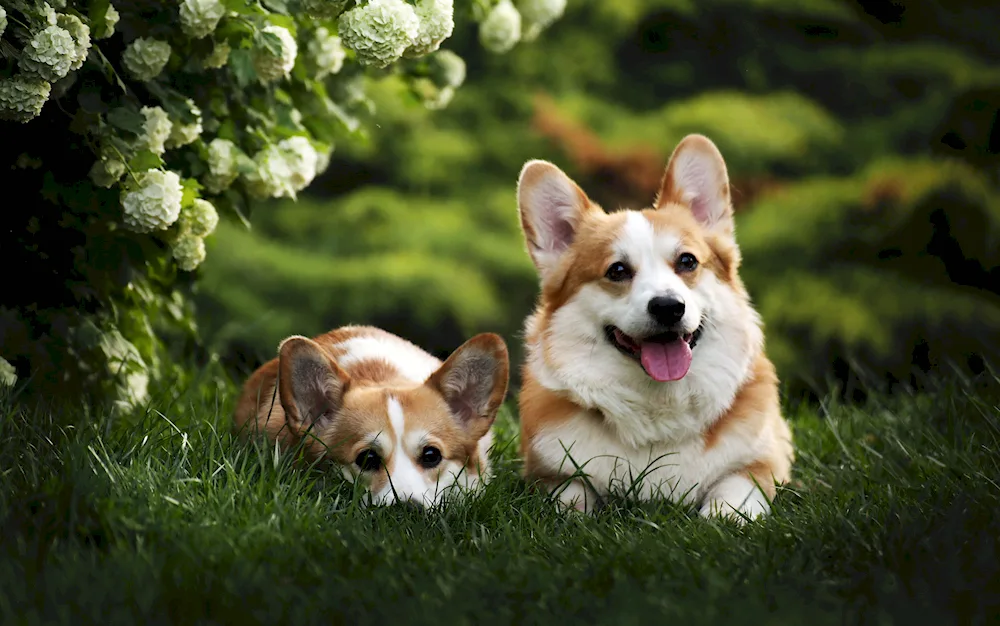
145, 58
193, 108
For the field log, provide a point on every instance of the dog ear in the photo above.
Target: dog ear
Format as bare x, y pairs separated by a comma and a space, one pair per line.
696, 177
473, 381
551, 206
310, 384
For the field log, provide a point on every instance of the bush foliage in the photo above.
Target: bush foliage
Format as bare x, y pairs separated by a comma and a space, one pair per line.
129, 127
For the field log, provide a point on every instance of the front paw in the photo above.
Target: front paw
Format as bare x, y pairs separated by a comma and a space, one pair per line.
574, 495
735, 498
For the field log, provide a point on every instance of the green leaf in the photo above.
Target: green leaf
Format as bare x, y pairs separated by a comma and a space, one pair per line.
241, 64
126, 119
145, 160
191, 188
271, 43
278, 6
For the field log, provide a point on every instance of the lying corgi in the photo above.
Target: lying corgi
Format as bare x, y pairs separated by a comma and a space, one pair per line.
393, 417
646, 370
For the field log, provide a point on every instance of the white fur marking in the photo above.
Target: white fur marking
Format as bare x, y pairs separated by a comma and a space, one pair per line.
411, 362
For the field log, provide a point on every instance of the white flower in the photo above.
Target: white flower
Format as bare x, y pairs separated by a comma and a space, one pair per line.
447, 69
111, 18
219, 56
222, 171
3, 20
22, 97
539, 15
325, 53
81, 37
199, 219
126, 365
380, 31
189, 251
323, 159
437, 21
106, 171
49, 53
145, 58
155, 204
8, 375
323, 8
274, 64
302, 160
157, 129
272, 176
183, 134
500, 30
200, 17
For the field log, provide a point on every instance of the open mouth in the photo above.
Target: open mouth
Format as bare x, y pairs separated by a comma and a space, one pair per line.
665, 356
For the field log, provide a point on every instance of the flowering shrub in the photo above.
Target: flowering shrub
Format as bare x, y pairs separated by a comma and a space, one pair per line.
133, 125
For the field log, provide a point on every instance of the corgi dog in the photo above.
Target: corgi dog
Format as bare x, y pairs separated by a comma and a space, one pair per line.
393, 417
645, 368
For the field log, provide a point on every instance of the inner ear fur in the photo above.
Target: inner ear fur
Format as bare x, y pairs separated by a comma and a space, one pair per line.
696, 177
473, 381
311, 386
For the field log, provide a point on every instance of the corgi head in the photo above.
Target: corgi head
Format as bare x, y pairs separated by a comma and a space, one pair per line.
401, 442
645, 287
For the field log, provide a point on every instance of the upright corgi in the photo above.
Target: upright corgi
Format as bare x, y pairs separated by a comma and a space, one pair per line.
393, 417
645, 366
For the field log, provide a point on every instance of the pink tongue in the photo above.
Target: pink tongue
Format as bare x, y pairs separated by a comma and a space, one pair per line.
666, 361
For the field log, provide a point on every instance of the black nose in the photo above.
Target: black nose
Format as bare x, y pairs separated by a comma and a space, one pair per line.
666, 310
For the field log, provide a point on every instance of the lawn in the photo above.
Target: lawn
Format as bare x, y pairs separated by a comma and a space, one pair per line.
166, 518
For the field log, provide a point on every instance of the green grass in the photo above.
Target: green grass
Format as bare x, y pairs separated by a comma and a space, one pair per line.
165, 518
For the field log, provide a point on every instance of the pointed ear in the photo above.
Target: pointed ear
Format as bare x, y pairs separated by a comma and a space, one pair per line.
551, 206
696, 177
473, 381
310, 385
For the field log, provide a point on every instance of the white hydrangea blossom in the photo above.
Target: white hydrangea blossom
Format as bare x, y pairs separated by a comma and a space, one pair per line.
106, 171
447, 69
272, 175
380, 31
22, 97
500, 30
125, 363
539, 15
323, 159
302, 161
3, 20
271, 67
200, 17
326, 53
199, 219
437, 21
222, 171
145, 58
111, 18
81, 38
183, 134
189, 251
8, 375
50, 53
156, 202
156, 129
219, 56
324, 8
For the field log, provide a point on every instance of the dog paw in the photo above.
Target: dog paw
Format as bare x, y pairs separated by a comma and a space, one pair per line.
574, 496
735, 498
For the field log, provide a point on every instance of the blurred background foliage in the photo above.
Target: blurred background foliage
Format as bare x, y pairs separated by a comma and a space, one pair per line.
861, 143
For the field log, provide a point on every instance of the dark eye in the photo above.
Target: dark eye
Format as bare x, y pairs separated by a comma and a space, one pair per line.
686, 262
618, 272
368, 461
430, 457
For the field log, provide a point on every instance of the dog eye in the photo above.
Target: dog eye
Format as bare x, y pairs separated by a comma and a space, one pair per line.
430, 457
368, 461
686, 262
618, 272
